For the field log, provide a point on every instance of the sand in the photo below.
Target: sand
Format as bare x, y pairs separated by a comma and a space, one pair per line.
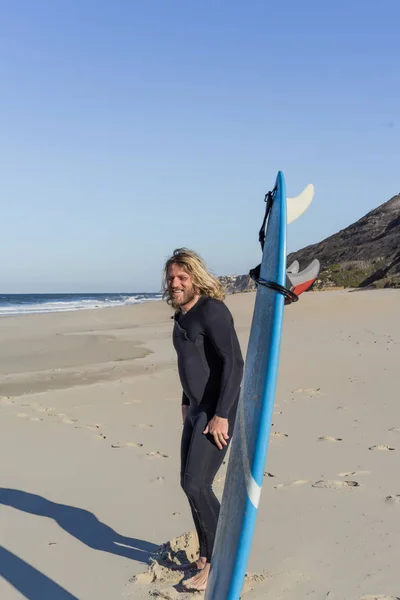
89, 440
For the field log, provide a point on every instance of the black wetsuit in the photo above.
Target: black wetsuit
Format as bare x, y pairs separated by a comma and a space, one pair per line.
210, 367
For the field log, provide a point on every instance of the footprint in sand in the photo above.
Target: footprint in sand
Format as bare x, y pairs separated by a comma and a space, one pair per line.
69, 421
127, 445
170, 594
395, 429
335, 485
7, 401
293, 483
279, 434
159, 479
394, 499
157, 455
133, 402
22, 415
250, 580
328, 438
374, 597
100, 436
381, 447
351, 473
308, 391
35, 419
141, 425
92, 427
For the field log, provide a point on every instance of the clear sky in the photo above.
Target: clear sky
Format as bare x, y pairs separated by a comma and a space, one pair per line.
129, 128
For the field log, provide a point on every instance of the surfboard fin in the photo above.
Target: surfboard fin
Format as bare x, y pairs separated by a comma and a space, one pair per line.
298, 205
294, 267
302, 281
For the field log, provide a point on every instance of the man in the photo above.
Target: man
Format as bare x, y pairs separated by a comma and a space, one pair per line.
210, 367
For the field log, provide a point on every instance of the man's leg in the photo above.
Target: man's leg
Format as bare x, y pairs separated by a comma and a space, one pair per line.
187, 435
203, 460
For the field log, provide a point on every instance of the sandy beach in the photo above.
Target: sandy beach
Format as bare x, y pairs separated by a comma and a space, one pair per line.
89, 438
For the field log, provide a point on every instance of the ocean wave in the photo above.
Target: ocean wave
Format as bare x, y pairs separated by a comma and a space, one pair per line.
13, 305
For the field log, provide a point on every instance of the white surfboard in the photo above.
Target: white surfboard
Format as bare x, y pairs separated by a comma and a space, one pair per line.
298, 205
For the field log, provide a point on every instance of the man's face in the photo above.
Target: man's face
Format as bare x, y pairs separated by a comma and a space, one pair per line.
180, 285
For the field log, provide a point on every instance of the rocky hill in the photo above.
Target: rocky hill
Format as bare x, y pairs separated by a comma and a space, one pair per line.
365, 254
234, 284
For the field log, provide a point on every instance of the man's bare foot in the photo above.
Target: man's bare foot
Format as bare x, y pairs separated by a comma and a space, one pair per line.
198, 564
199, 581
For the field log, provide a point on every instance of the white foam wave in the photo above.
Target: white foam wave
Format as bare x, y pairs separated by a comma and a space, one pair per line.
72, 305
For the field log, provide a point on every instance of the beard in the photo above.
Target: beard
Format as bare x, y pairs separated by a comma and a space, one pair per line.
184, 298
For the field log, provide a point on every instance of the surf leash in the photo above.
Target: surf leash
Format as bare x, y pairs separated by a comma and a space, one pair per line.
290, 296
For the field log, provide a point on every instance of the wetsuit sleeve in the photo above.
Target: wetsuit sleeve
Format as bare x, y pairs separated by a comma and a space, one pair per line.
219, 328
185, 400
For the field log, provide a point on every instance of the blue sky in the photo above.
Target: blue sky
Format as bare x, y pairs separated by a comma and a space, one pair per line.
130, 128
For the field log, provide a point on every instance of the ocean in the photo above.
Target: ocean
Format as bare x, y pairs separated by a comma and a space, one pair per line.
23, 304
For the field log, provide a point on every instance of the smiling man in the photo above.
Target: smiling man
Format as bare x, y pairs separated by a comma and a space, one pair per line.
210, 367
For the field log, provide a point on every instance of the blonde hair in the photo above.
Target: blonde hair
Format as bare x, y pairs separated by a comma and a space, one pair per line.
205, 283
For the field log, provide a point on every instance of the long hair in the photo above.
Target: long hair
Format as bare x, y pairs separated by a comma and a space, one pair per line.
205, 283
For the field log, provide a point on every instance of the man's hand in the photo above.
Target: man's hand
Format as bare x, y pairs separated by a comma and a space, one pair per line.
185, 410
218, 427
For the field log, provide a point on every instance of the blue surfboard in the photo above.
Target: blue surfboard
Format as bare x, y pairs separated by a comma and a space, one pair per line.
252, 429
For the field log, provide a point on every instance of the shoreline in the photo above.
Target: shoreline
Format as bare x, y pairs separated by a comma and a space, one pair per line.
160, 300
35, 304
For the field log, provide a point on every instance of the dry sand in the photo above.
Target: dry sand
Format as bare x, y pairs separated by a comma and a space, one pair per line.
89, 441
